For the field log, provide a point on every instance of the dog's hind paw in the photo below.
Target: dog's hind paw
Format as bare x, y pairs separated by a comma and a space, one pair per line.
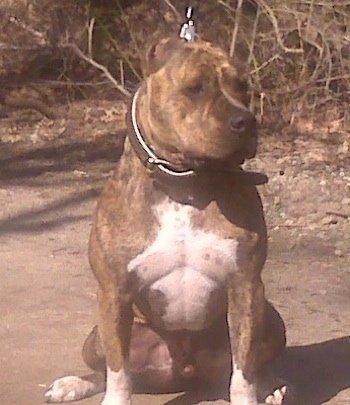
278, 397
71, 388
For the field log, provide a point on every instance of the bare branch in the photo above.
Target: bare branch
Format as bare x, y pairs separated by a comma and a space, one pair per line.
100, 67
173, 9
35, 33
267, 62
90, 29
236, 27
275, 25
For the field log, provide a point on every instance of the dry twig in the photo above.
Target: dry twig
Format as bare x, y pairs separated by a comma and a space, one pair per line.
173, 9
100, 67
275, 25
236, 27
90, 29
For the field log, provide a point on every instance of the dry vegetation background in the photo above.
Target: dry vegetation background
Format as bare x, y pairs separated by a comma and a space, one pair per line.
296, 52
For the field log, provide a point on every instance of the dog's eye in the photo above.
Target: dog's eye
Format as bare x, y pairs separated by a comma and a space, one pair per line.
196, 89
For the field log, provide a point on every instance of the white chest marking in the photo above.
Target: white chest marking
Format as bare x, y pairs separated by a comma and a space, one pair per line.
188, 267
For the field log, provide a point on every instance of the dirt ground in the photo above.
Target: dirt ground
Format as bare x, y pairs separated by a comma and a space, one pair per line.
50, 176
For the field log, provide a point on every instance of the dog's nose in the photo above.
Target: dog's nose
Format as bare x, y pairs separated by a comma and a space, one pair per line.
242, 121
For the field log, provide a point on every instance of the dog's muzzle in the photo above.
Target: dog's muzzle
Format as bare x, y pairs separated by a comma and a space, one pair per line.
243, 127
242, 122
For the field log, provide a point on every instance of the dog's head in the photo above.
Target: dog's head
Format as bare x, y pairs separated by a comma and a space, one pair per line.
194, 105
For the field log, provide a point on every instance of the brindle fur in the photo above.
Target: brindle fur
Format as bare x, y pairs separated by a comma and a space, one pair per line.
184, 106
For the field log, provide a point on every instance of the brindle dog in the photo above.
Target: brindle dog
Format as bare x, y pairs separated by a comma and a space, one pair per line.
179, 241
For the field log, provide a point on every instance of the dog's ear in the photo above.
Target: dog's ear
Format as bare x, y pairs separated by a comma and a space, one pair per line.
157, 53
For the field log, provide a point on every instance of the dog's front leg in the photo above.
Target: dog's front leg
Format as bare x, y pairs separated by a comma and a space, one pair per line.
246, 306
115, 322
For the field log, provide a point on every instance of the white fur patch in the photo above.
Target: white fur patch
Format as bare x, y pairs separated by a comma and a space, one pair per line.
241, 391
118, 391
277, 397
71, 388
186, 266
186, 309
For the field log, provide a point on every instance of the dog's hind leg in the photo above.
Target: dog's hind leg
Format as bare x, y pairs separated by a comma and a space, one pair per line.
152, 366
93, 353
72, 388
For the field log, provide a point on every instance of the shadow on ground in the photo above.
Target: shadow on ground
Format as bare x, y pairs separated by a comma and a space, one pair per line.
22, 163
58, 164
40, 219
318, 372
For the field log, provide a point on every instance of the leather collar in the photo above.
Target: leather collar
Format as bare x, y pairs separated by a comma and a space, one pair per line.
155, 165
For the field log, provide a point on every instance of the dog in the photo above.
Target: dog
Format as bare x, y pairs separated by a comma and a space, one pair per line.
179, 241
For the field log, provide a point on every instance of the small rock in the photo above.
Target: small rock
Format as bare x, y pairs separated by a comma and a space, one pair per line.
339, 253
329, 221
80, 173
345, 201
34, 138
277, 200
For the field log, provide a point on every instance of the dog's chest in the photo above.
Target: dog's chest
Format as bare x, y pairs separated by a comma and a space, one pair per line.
181, 275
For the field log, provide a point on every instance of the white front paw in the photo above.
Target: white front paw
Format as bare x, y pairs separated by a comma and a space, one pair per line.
118, 387
280, 396
115, 399
242, 392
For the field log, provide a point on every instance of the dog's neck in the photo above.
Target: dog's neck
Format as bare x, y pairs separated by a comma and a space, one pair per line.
156, 164
197, 191
182, 185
